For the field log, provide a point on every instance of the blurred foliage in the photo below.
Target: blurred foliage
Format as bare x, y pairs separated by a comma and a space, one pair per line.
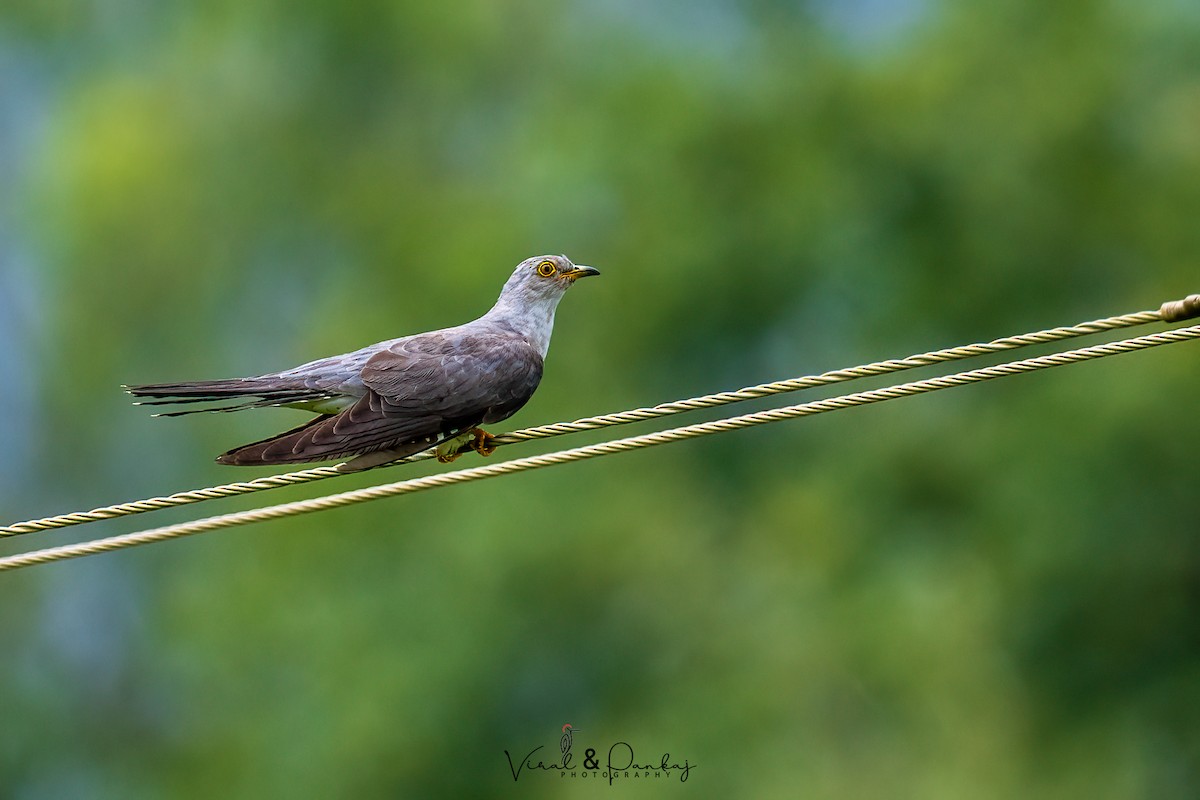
990, 592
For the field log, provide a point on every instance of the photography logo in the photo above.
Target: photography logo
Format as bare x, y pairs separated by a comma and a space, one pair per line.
564, 744
620, 763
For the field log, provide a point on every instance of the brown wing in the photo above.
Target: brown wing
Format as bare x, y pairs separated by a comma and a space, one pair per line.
419, 391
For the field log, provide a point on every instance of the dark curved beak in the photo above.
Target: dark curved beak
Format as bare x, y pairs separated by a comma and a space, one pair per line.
581, 272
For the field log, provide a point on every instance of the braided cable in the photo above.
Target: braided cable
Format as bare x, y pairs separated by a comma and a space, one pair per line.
592, 451
1172, 311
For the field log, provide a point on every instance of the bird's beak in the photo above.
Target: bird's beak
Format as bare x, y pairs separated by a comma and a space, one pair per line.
581, 272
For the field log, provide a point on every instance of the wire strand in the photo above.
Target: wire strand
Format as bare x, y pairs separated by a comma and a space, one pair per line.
1174, 308
592, 451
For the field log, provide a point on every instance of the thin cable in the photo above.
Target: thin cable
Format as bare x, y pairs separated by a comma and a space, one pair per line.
634, 415
592, 451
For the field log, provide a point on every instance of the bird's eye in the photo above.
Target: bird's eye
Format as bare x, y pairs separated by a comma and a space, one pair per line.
546, 269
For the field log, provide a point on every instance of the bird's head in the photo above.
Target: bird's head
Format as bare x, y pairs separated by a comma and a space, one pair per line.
544, 279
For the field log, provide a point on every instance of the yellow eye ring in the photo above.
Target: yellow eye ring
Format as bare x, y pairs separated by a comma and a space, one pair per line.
546, 269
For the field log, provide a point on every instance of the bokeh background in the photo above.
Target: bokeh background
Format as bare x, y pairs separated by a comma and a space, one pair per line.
990, 592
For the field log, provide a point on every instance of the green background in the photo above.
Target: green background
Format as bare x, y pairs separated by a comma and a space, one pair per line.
989, 592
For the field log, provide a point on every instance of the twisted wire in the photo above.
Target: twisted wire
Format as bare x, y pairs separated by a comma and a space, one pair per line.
834, 376
592, 451
1172, 311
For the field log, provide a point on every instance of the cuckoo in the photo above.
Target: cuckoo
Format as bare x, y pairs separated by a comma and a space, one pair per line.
399, 397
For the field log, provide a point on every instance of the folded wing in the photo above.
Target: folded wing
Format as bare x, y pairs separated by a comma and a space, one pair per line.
420, 391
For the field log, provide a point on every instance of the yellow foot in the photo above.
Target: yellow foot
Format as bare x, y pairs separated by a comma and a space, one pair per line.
482, 442
476, 439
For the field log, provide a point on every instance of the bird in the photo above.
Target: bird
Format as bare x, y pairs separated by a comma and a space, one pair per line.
401, 396
564, 743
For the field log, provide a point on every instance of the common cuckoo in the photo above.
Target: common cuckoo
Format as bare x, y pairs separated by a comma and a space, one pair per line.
402, 396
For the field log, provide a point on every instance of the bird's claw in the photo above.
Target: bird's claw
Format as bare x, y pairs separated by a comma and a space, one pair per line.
482, 442
476, 439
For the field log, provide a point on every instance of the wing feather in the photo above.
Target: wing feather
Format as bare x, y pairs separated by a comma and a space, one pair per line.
419, 390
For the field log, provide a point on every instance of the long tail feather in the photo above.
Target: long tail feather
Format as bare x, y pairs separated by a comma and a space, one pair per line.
238, 387
267, 403
258, 393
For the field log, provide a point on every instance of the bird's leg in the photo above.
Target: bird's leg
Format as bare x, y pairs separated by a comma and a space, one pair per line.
450, 449
476, 439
